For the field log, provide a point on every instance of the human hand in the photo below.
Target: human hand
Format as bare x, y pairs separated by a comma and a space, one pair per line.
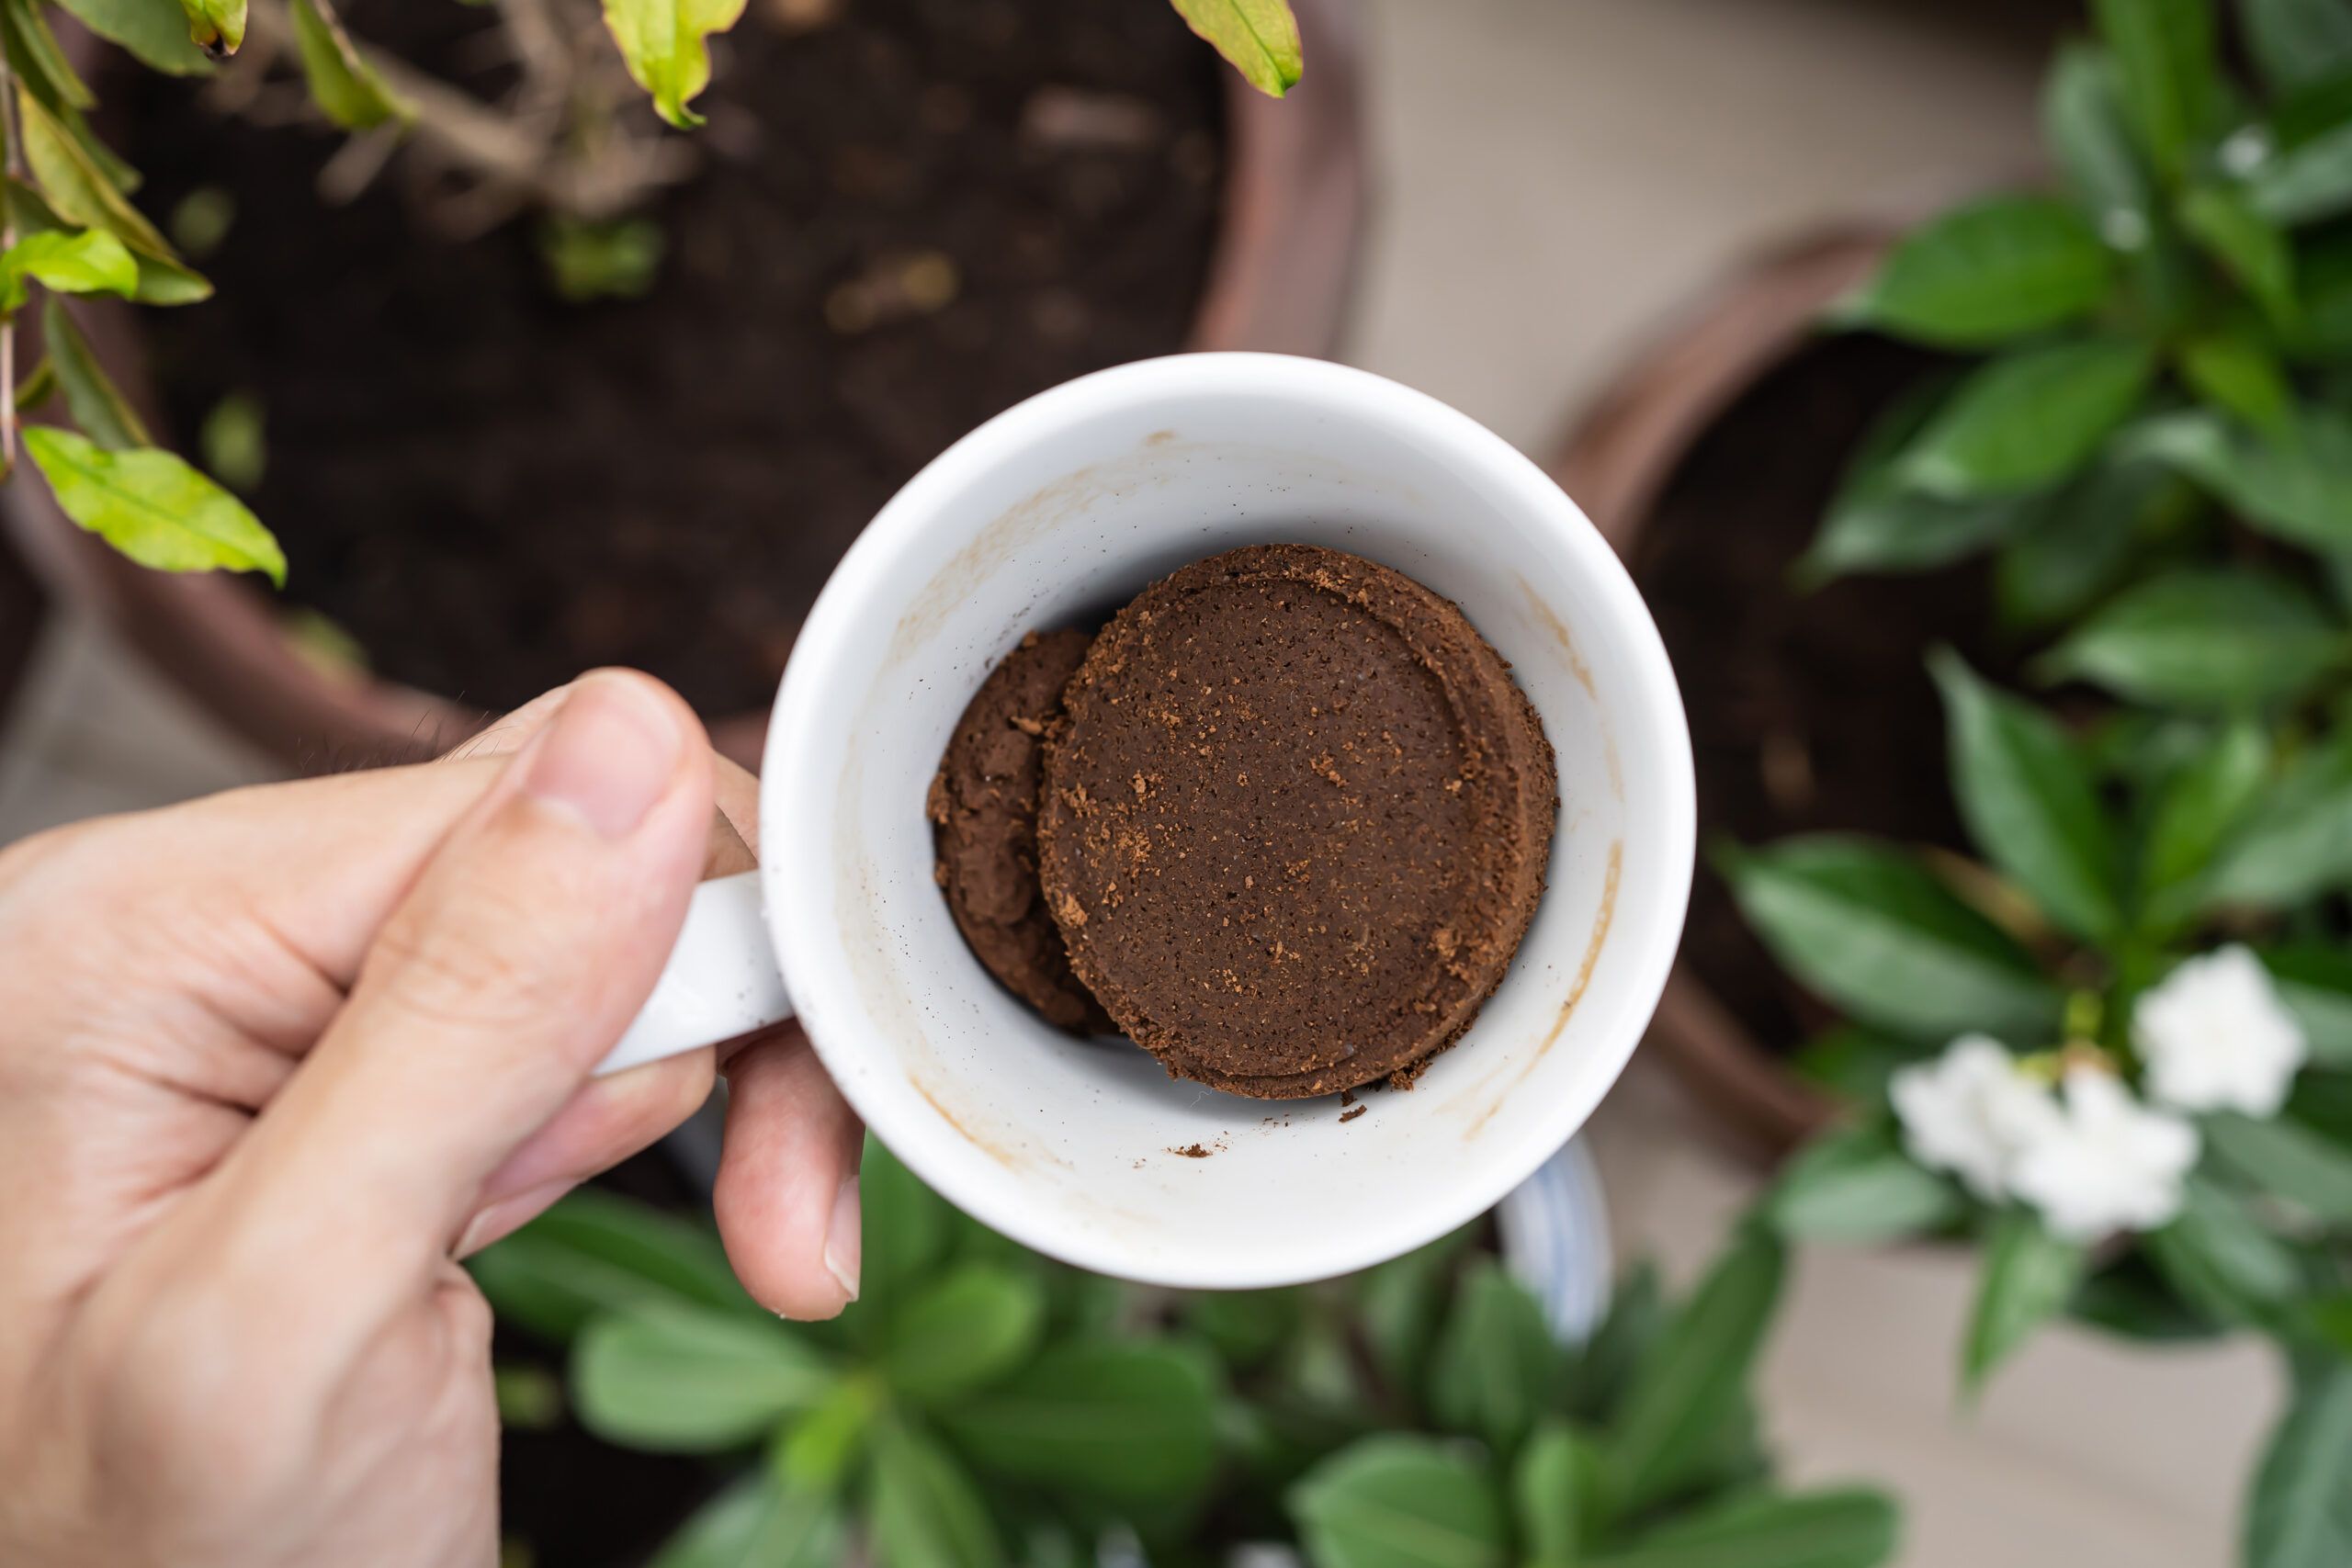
269, 1060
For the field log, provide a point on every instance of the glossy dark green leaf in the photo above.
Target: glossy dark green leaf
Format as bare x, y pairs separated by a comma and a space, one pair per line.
2297, 485
1875, 524
153, 507
2296, 841
1844, 1528
2028, 1276
2078, 544
1258, 38
1552, 1485
2129, 1300
1129, 1422
1987, 273
2030, 800
2299, 1514
1869, 928
2029, 419
691, 1379
347, 90
2217, 1255
1397, 1501
927, 1511
594, 1254
2212, 639
2171, 85
962, 1332
2248, 244
154, 31
1854, 1186
2234, 372
2198, 809
2314, 980
1495, 1361
757, 1523
1695, 1376
2298, 43
2083, 124
2286, 1160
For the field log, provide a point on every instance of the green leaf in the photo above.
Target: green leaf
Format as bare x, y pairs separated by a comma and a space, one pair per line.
2304, 184
346, 88
594, 1254
1131, 1422
75, 188
162, 281
665, 44
906, 1228
153, 507
1495, 1361
1394, 1501
1852, 1186
2249, 246
217, 27
963, 1332
1259, 36
2130, 1299
2221, 1260
40, 60
92, 261
2297, 486
2029, 1275
2286, 1160
1551, 1487
98, 405
927, 1512
154, 31
2299, 1514
1599, 1376
2315, 982
1402, 1303
2080, 542
2171, 85
2234, 372
687, 1380
2029, 419
1876, 524
2082, 122
1244, 1328
1695, 1376
2030, 800
1870, 929
1851, 1063
1843, 1528
2195, 813
2296, 843
2299, 43
2205, 640
758, 1524
1985, 274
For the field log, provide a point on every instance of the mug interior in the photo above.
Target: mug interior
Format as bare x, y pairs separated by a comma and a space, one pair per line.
1056, 512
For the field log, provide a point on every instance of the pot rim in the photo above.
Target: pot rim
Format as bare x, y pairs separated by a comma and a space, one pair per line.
1280, 271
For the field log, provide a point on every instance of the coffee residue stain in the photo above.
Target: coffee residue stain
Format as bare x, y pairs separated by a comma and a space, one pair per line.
1600, 925
1001, 1156
1559, 630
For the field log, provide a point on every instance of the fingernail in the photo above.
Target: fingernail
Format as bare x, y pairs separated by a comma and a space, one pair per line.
845, 1239
507, 1215
608, 755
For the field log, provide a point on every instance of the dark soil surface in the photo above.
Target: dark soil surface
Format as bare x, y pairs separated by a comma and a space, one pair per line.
1809, 712
492, 488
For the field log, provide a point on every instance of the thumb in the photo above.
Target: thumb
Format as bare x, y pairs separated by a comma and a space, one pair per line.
526, 945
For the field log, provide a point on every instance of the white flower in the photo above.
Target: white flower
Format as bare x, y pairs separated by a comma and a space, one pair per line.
2110, 1164
1971, 1112
2215, 1036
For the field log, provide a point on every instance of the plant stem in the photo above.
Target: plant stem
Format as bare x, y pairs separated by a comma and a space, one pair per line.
11, 126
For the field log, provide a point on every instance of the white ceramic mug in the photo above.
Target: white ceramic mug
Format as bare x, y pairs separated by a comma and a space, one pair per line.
1057, 511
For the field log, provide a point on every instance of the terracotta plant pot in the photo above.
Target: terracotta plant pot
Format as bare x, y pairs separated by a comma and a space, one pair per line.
1618, 462
1278, 280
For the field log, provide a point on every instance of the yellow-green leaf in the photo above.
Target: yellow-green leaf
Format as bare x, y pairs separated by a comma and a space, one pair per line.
216, 26
1259, 36
156, 31
344, 86
76, 187
92, 261
104, 415
163, 279
665, 44
153, 507
34, 51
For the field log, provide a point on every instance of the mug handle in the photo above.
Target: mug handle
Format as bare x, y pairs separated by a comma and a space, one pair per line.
720, 982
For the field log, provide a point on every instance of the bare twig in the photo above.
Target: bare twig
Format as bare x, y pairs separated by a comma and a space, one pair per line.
545, 56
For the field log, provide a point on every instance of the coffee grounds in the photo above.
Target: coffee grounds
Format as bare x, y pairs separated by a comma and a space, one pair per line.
1295, 821
983, 806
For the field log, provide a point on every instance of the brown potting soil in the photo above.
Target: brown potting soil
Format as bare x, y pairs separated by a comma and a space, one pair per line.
910, 219
1809, 712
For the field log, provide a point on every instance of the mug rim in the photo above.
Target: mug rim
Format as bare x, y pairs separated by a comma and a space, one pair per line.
886, 567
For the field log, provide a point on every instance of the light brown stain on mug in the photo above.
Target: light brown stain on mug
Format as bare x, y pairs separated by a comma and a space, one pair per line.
1550, 620
1582, 982
1001, 1156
